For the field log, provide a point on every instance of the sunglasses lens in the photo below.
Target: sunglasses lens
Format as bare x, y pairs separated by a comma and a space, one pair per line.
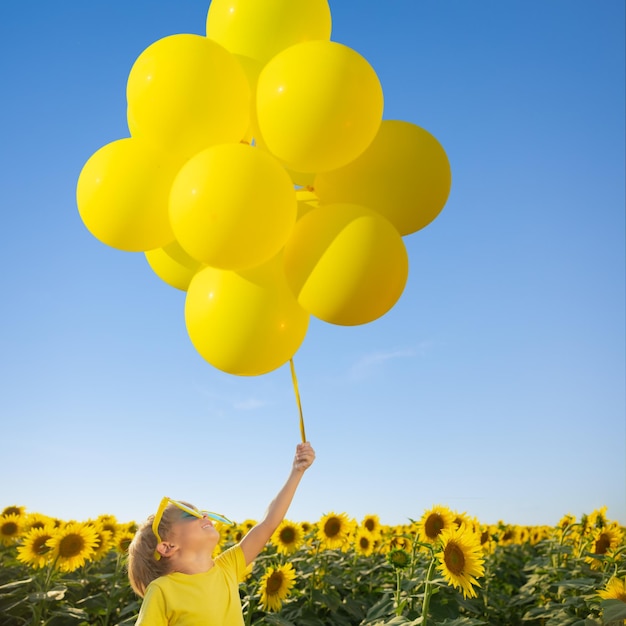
216, 517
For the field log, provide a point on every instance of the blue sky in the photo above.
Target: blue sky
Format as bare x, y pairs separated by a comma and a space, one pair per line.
496, 384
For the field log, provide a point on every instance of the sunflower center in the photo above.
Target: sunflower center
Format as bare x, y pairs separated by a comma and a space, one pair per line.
70, 546
274, 582
288, 535
370, 524
399, 558
454, 558
9, 529
39, 545
364, 542
332, 527
434, 525
603, 544
124, 543
12, 510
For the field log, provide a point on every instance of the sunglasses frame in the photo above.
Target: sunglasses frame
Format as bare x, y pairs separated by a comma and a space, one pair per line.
186, 509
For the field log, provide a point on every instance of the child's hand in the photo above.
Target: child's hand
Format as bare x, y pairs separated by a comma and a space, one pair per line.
305, 455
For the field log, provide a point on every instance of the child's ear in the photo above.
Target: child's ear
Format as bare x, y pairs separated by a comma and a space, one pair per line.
166, 549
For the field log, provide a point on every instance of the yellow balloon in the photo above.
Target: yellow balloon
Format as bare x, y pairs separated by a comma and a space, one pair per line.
404, 175
232, 206
186, 92
346, 264
260, 29
173, 265
301, 179
122, 195
246, 323
319, 105
307, 201
252, 70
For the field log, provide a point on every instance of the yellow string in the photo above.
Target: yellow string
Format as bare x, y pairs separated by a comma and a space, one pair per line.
295, 388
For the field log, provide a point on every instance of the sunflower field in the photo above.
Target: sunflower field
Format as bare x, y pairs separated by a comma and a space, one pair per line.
443, 568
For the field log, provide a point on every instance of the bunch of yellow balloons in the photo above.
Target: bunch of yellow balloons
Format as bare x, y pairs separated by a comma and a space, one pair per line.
261, 178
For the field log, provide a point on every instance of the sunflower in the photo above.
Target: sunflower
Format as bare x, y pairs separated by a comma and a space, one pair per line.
276, 584
509, 535
460, 559
37, 520
107, 523
433, 522
10, 528
131, 527
72, 545
488, 538
399, 558
470, 522
597, 518
566, 521
615, 590
398, 542
104, 541
334, 530
237, 533
35, 550
364, 542
122, 541
287, 537
524, 534
14, 510
538, 533
371, 523
604, 540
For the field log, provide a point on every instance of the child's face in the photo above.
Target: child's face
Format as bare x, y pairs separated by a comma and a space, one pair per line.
194, 534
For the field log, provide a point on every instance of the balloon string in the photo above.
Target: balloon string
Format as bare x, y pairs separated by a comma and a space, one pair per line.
295, 388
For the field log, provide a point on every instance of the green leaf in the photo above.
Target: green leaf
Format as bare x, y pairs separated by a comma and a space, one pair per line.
277, 620
462, 621
381, 609
613, 610
577, 583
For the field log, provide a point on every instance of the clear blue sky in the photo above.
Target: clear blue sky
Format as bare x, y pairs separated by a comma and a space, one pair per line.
495, 386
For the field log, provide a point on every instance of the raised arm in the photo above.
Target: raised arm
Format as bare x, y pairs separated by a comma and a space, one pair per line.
256, 539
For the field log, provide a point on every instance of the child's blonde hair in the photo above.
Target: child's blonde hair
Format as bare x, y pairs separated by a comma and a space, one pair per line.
143, 568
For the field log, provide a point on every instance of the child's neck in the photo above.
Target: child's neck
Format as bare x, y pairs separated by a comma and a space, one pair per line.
192, 564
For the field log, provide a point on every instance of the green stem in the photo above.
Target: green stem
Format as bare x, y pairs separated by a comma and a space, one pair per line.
428, 591
112, 596
312, 578
40, 609
250, 611
414, 551
398, 578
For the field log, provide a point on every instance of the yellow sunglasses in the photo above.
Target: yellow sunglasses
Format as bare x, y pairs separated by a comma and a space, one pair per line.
185, 509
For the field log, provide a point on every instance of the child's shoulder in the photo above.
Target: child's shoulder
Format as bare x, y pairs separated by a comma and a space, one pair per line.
233, 559
230, 553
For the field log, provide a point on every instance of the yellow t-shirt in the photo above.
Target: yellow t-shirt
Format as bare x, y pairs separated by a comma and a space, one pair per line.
208, 599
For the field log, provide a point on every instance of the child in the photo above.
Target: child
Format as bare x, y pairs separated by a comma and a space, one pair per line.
171, 565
